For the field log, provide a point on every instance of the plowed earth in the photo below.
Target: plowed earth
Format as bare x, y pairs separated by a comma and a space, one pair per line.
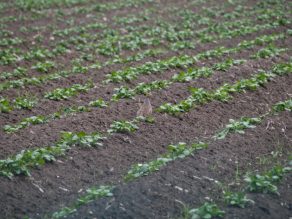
187, 180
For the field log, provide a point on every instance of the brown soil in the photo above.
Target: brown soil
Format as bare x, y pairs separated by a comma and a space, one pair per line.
155, 195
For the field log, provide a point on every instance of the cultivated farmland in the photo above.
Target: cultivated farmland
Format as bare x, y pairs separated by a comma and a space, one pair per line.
74, 74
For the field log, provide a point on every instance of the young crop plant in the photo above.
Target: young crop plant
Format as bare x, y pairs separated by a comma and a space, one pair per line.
86, 57
122, 75
150, 120
199, 95
143, 88
198, 146
237, 127
79, 69
73, 109
226, 64
26, 122
192, 73
17, 165
102, 191
282, 69
277, 174
19, 72
60, 50
178, 151
123, 92
206, 39
182, 77
186, 106
8, 59
108, 50
60, 93
122, 126
38, 54
207, 211
149, 67
89, 140
221, 94
246, 44
139, 170
81, 138
237, 199
258, 183
4, 105
79, 87
44, 67
99, 103
268, 38
182, 45
168, 108
6, 75
270, 51
24, 104
12, 166
282, 106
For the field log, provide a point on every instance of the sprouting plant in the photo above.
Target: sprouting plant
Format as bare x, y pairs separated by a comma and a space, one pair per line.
44, 67
99, 103
15, 83
6, 75
258, 183
150, 120
19, 72
143, 88
198, 146
221, 94
123, 92
25, 104
178, 151
87, 57
282, 106
237, 127
207, 211
60, 93
199, 95
277, 173
282, 69
271, 50
237, 199
4, 105
122, 126
89, 140
168, 108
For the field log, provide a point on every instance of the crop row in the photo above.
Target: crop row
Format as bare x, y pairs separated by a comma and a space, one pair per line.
59, 12
113, 45
188, 18
30, 4
107, 48
131, 45
199, 95
131, 72
222, 93
34, 158
39, 119
256, 183
76, 68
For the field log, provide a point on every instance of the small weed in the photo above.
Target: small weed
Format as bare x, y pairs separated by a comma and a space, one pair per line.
213, 168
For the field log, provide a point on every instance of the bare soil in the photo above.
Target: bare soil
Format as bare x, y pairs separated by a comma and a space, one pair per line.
159, 194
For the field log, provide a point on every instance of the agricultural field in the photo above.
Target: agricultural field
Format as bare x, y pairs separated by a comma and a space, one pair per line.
75, 73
